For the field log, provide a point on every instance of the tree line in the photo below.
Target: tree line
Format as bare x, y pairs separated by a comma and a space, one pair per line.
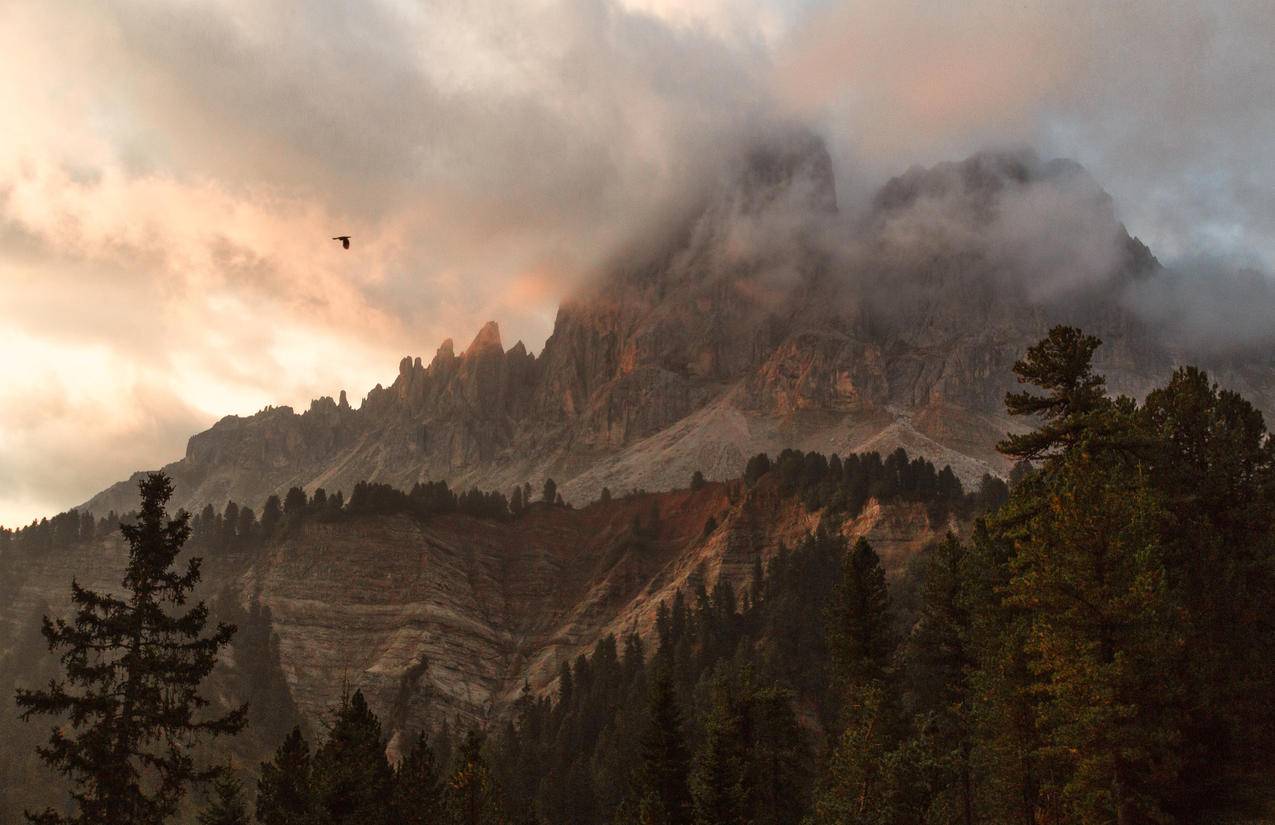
1098, 649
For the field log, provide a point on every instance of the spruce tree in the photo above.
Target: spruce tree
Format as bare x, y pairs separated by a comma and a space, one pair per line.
418, 786
353, 781
227, 806
939, 666
859, 773
1092, 573
472, 797
133, 665
860, 631
285, 789
662, 778
718, 779
778, 763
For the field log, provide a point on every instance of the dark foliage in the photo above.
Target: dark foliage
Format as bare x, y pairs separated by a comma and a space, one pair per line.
129, 691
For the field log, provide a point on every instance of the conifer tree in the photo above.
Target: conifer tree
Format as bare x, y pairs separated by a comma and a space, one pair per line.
133, 665
285, 789
856, 777
778, 762
1005, 693
718, 780
472, 797
1090, 574
1213, 468
352, 778
939, 664
418, 786
1062, 365
227, 806
272, 513
662, 777
859, 630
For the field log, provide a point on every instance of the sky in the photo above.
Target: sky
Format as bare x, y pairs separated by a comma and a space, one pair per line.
171, 172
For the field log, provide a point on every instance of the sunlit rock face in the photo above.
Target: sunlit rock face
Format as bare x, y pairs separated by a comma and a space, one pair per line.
762, 319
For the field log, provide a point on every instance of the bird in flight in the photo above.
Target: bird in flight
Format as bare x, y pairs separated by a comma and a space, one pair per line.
344, 239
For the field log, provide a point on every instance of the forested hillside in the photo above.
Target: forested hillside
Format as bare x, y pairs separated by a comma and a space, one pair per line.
1090, 644
1097, 652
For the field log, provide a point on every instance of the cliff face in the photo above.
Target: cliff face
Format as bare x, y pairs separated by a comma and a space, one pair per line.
764, 321
446, 617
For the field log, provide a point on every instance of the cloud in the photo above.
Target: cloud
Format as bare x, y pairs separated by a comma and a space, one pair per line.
1166, 102
1213, 306
171, 173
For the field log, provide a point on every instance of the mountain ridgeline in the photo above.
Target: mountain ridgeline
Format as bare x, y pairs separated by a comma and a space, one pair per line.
441, 608
795, 518
765, 321
827, 639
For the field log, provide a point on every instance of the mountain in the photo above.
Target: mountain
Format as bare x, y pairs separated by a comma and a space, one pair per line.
762, 319
447, 616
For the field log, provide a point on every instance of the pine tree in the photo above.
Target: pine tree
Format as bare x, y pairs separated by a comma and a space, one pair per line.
718, 779
550, 493
1089, 572
662, 777
857, 774
1062, 365
860, 631
1092, 574
778, 762
472, 797
133, 667
417, 786
352, 778
1213, 468
271, 514
285, 789
861, 769
227, 806
939, 664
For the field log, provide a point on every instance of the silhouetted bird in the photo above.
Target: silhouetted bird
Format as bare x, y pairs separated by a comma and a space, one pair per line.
344, 239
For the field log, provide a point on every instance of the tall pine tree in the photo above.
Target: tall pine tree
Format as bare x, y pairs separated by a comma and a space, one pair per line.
663, 790
227, 806
472, 797
418, 786
285, 789
353, 781
133, 665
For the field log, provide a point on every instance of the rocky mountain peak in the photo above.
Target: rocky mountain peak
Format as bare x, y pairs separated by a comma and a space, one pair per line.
738, 334
793, 166
487, 339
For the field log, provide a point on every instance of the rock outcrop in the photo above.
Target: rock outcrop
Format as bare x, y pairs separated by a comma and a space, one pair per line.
446, 617
760, 323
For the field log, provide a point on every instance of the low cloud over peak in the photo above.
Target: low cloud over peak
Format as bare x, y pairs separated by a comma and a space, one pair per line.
171, 174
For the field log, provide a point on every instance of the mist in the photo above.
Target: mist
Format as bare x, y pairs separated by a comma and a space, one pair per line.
171, 175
